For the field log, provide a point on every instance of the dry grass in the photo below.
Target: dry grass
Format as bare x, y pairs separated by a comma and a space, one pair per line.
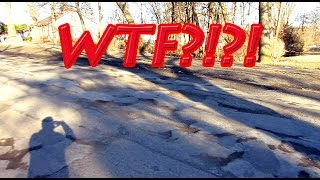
303, 61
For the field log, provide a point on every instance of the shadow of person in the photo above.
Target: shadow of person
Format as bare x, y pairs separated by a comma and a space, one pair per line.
48, 159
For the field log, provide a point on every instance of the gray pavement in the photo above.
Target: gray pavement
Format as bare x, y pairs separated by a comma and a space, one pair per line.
147, 122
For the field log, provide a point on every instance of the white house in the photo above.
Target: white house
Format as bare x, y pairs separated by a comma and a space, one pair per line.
43, 30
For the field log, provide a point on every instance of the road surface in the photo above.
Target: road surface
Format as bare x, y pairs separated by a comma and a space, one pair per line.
147, 122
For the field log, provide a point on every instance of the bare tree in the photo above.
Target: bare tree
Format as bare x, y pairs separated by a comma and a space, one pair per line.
234, 11
224, 11
274, 16
194, 13
100, 19
279, 14
33, 11
125, 11
225, 16
155, 10
277, 31
173, 11
63, 7
288, 7
210, 13
243, 7
53, 21
264, 49
77, 4
83, 9
140, 6
304, 20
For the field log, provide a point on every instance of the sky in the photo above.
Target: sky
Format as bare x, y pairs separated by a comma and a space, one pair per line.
22, 16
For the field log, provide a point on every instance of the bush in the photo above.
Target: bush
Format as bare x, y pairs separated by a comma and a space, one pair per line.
117, 44
292, 41
28, 39
145, 47
3, 27
20, 27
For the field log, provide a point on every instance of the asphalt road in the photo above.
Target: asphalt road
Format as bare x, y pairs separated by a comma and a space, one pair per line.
111, 121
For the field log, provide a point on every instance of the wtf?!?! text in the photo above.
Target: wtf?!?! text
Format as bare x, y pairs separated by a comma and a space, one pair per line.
70, 53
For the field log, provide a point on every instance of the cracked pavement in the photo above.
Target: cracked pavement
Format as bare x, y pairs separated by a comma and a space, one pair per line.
148, 122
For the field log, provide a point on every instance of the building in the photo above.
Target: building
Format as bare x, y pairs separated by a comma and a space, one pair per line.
43, 30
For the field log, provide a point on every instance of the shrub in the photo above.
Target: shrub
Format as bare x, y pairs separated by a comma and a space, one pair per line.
28, 39
292, 41
117, 44
20, 27
2, 27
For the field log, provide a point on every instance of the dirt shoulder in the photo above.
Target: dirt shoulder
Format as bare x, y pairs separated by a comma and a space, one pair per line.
294, 73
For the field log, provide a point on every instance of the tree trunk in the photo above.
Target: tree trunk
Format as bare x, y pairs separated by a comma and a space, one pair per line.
224, 12
210, 13
289, 7
53, 22
194, 13
125, 11
264, 49
269, 9
278, 21
100, 19
225, 16
243, 7
195, 20
186, 11
155, 9
80, 15
11, 29
234, 8
141, 13
176, 7
33, 12
210, 20
173, 16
